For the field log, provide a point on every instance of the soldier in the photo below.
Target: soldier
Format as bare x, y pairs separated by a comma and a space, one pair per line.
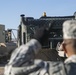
22, 61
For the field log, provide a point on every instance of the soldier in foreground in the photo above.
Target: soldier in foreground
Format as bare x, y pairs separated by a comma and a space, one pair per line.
23, 60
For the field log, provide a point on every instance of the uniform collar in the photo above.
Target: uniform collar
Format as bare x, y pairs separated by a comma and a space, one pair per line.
71, 59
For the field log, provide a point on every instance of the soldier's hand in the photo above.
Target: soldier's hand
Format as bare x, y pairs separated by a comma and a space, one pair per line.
2, 45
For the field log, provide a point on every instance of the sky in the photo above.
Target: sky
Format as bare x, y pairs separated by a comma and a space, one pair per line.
10, 10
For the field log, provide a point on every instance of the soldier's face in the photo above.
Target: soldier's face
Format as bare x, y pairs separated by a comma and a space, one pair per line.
67, 46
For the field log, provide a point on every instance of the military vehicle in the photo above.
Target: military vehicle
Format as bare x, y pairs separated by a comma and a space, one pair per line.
27, 28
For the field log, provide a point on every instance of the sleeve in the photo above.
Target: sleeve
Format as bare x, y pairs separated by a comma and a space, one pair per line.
25, 53
22, 55
39, 67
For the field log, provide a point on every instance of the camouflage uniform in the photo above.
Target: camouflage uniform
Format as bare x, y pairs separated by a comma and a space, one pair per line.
22, 62
70, 65
23, 55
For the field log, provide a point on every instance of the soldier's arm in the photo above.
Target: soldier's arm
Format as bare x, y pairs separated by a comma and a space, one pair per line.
25, 53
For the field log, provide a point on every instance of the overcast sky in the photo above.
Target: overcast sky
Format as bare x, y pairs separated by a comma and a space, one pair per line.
10, 10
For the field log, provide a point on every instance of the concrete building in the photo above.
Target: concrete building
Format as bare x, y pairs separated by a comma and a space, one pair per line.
2, 33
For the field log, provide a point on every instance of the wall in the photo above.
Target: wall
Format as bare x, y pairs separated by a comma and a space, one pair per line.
2, 33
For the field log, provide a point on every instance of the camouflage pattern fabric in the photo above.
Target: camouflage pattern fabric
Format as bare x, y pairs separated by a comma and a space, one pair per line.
22, 62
